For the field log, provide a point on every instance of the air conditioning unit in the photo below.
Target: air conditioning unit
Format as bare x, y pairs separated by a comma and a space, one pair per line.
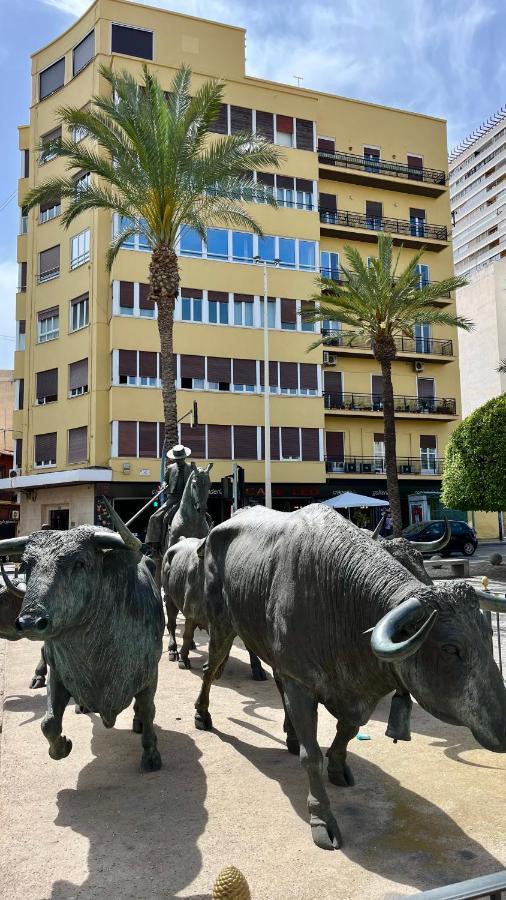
418, 365
329, 359
14, 473
366, 467
350, 467
406, 470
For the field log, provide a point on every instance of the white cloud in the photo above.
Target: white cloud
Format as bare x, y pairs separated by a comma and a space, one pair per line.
8, 285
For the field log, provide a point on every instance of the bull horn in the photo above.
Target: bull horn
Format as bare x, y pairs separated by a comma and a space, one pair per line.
376, 533
209, 467
16, 590
129, 539
13, 546
433, 546
491, 602
383, 634
108, 540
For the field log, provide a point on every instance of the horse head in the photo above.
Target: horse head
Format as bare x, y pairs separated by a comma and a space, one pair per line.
199, 485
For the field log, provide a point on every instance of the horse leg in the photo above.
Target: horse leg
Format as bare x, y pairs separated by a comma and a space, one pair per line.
257, 672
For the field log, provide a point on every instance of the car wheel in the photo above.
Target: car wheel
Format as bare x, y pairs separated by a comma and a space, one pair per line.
468, 548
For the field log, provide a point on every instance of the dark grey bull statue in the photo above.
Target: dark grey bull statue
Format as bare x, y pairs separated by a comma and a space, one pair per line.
11, 598
91, 597
302, 589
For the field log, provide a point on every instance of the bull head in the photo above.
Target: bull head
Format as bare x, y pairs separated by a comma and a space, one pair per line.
383, 634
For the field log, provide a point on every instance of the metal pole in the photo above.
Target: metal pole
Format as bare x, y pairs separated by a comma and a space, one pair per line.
267, 398
146, 506
235, 488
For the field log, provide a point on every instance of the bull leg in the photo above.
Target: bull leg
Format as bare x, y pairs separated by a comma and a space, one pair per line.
57, 699
172, 612
338, 771
39, 676
292, 741
137, 722
189, 631
144, 711
220, 644
258, 673
302, 709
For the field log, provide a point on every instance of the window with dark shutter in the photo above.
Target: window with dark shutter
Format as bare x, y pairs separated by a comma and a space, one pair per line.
52, 79
334, 441
244, 371
426, 388
147, 364
241, 119
47, 313
288, 314
18, 453
245, 442
83, 53
303, 184
47, 386
144, 299
304, 134
49, 204
274, 443
132, 41
371, 152
126, 294
49, 263
219, 442
266, 178
377, 387
284, 124
45, 449
328, 203
379, 437
78, 377
77, 449
147, 439
49, 144
334, 385
265, 125
195, 439
326, 145
415, 163
192, 366
218, 371
310, 444
428, 442
220, 124
283, 181
127, 438
290, 446
288, 379
22, 276
415, 213
273, 374
373, 209
21, 394
196, 293
127, 365
308, 377
26, 163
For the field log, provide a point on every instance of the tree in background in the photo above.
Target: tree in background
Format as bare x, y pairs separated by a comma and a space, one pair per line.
152, 162
384, 303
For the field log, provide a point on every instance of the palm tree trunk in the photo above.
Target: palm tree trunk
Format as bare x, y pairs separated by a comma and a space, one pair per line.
390, 447
164, 287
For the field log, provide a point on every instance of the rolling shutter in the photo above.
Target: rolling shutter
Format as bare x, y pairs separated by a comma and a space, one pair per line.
274, 443
308, 377
218, 369
310, 439
273, 374
83, 53
426, 388
147, 439
126, 294
77, 450
192, 366
127, 438
49, 260
328, 202
78, 374
195, 439
326, 145
128, 363
288, 375
245, 442
219, 443
144, 299
284, 124
290, 445
45, 447
18, 453
47, 313
244, 298
217, 296
303, 184
333, 382
283, 181
49, 204
427, 442
288, 312
51, 79
377, 386
266, 178
132, 41
335, 445
47, 384
265, 125
244, 371
147, 364
241, 119
379, 437
304, 134
374, 209
220, 124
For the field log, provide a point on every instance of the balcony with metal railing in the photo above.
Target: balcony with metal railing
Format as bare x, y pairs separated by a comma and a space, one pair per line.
386, 173
353, 344
414, 233
340, 278
375, 465
372, 404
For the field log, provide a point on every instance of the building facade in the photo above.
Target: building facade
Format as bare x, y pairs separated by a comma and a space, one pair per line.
87, 366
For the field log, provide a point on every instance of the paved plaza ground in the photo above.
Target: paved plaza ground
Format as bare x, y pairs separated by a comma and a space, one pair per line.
421, 814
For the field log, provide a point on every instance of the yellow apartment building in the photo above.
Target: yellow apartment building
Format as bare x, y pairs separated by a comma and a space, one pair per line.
86, 366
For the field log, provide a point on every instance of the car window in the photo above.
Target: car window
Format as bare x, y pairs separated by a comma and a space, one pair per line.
460, 528
434, 530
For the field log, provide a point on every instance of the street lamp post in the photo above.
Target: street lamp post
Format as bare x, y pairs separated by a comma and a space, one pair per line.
267, 407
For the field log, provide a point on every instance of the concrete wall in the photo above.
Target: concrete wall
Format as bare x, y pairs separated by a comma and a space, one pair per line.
36, 505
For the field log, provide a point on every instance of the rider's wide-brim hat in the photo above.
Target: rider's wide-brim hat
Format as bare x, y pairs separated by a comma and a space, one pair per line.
179, 452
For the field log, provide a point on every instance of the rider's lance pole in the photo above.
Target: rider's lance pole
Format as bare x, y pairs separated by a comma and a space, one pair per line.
146, 505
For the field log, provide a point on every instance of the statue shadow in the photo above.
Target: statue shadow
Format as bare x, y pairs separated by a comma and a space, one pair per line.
34, 703
142, 829
387, 829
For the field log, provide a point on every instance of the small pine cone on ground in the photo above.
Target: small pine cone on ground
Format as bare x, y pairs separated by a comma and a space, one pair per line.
231, 885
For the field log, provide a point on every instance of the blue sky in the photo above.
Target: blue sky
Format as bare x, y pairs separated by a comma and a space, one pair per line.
442, 57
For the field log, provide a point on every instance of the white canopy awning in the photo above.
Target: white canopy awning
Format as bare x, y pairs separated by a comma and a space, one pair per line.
347, 500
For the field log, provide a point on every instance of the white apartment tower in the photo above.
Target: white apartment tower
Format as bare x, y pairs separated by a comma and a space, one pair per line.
477, 175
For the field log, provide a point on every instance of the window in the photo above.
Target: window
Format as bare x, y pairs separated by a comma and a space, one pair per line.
19, 402
49, 210
48, 324
424, 274
428, 450
190, 243
265, 125
304, 131
218, 373
220, 124
191, 305
307, 255
83, 53
374, 213
49, 263
245, 442
378, 449
377, 391
329, 264
46, 390
126, 298
310, 444
219, 442
426, 392
22, 273
50, 143
79, 133
132, 41
192, 372
243, 310
82, 182
417, 221
218, 307
79, 312
45, 449
123, 223
273, 376
146, 304
267, 248
23, 220
148, 368
334, 442
77, 446
423, 338
288, 315
304, 190
21, 334
127, 438
306, 307
52, 79
241, 119
18, 452
285, 191
25, 163
80, 249
271, 312
78, 378
415, 165
244, 374
288, 378
287, 253
128, 367
308, 379
290, 443
326, 145
242, 246
217, 243
148, 436
284, 131
372, 158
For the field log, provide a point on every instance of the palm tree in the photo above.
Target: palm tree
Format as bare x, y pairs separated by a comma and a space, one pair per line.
383, 303
501, 368
153, 163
